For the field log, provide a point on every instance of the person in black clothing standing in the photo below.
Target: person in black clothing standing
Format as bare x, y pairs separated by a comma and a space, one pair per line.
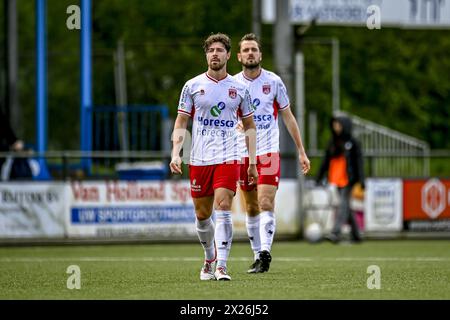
344, 164
8, 140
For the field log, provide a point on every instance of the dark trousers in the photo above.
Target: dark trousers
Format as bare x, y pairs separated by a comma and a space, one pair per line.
2, 161
345, 214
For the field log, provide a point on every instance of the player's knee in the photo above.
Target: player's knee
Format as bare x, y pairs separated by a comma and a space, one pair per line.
266, 204
202, 215
252, 209
224, 204
202, 212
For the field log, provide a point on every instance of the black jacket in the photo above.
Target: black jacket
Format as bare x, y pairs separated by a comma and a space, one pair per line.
7, 136
345, 144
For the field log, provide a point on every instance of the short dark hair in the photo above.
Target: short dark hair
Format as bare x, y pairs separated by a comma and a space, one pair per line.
250, 37
217, 37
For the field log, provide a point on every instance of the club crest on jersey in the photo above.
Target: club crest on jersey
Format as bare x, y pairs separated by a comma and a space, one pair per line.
232, 93
202, 92
266, 88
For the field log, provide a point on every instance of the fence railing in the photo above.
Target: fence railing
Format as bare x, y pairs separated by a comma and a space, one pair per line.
391, 153
130, 128
63, 165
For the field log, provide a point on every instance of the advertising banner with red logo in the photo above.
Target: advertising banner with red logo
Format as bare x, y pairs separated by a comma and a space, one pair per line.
426, 204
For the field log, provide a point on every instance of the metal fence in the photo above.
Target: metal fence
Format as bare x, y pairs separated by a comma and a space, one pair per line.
130, 128
387, 153
63, 165
390, 153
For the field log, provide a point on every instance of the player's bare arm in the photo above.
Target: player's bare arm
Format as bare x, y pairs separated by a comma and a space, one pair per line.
250, 141
178, 135
292, 126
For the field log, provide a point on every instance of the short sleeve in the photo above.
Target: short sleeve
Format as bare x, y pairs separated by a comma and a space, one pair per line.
281, 95
186, 103
246, 106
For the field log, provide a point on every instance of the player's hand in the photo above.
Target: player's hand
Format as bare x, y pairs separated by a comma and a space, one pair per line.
175, 165
304, 162
252, 174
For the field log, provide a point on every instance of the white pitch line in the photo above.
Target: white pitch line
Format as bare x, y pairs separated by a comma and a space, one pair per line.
194, 259
421, 259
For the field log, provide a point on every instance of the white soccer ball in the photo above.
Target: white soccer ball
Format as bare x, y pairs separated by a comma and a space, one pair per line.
313, 232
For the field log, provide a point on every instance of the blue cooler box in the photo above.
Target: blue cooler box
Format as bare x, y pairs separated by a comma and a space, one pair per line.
155, 170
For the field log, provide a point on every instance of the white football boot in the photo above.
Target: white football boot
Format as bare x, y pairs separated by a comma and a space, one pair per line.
222, 274
207, 273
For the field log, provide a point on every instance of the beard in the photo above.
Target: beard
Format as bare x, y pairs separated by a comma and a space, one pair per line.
216, 66
251, 65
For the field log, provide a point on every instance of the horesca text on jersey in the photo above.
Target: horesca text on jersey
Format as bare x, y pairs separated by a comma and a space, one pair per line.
215, 133
215, 122
262, 117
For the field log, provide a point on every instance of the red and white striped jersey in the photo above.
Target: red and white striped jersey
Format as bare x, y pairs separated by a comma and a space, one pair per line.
215, 107
269, 95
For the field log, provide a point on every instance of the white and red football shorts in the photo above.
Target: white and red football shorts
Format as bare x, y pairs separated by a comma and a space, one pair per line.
205, 179
268, 166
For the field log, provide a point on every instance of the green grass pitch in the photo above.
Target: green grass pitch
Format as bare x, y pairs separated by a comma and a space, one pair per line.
409, 269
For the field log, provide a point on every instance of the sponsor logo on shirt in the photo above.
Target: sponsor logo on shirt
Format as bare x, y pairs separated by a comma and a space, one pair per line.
195, 187
217, 110
215, 122
262, 117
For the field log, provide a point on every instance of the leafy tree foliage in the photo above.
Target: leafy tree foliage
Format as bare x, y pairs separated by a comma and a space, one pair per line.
396, 77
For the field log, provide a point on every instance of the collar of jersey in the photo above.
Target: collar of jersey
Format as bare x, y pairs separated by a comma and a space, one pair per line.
250, 79
212, 79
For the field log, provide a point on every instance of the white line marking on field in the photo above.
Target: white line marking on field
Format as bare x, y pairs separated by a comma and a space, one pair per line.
187, 259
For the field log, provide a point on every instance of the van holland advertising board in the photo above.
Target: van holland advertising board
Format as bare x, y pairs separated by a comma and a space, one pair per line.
156, 210
130, 209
